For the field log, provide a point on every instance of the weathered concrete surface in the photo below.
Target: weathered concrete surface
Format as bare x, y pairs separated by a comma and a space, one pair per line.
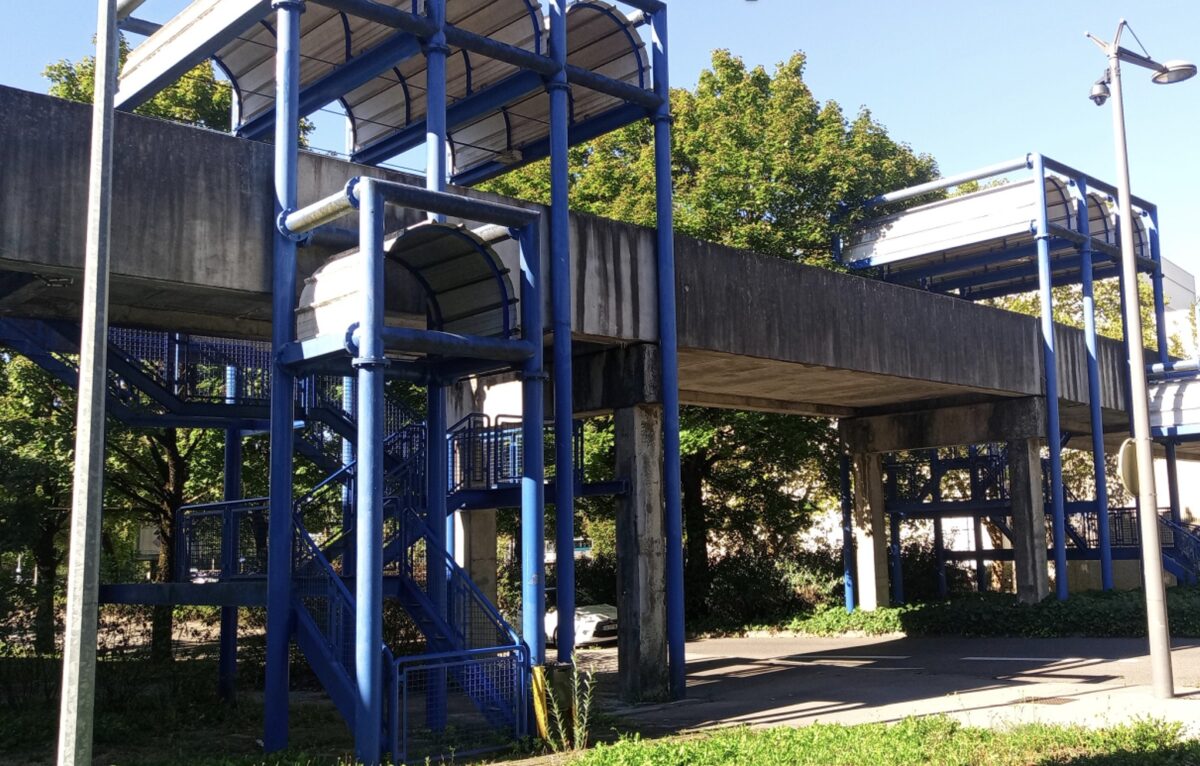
641, 568
996, 421
870, 532
192, 219
1029, 519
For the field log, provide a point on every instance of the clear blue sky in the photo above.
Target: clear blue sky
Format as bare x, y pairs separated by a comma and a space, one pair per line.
971, 82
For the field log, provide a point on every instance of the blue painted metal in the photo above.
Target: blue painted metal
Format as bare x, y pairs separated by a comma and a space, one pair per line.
355, 72
368, 714
669, 356
615, 118
533, 509
560, 277
349, 400
1093, 376
436, 51
232, 490
464, 110
939, 556
847, 535
1156, 280
896, 560
1053, 428
279, 576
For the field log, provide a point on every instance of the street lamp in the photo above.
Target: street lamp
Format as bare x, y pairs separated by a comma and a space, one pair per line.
1156, 610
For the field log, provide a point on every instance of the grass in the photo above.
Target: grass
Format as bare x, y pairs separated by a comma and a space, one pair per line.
936, 740
1097, 614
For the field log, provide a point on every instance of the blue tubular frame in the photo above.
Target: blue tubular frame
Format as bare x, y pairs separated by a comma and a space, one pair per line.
348, 402
279, 570
1093, 375
560, 277
232, 490
368, 596
1053, 428
533, 570
668, 354
1160, 325
847, 535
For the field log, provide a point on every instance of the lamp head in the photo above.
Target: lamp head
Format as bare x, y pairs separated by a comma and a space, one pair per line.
1174, 70
1100, 91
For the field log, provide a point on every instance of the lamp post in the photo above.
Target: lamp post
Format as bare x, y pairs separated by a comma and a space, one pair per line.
1156, 609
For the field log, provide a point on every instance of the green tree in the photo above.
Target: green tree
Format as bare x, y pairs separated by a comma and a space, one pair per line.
758, 163
36, 453
198, 98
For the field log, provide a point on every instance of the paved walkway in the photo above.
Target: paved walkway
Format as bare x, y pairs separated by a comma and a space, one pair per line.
981, 682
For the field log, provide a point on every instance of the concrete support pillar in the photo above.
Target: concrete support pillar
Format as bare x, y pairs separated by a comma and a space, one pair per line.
641, 556
870, 532
475, 548
1029, 519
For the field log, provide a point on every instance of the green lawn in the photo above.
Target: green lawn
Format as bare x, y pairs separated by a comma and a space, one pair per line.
939, 741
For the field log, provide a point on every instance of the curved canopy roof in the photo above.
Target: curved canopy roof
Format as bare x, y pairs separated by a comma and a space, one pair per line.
377, 73
983, 244
466, 284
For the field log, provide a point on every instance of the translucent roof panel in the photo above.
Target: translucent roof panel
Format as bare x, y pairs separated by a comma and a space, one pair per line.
378, 73
983, 243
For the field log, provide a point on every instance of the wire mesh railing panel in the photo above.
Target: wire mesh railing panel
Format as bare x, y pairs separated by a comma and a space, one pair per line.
325, 598
203, 535
458, 703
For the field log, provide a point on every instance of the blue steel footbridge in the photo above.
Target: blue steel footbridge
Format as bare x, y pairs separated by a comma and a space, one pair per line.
255, 287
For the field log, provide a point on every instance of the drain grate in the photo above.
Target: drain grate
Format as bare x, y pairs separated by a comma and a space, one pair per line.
1048, 700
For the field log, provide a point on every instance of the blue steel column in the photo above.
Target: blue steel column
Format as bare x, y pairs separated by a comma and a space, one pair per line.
897, 561
560, 277
1160, 326
1093, 374
232, 490
348, 402
1053, 428
435, 101
847, 535
368, 581
533, 488
279, 534
668, 352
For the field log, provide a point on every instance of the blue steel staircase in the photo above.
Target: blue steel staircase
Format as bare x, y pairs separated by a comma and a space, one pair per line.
455, 670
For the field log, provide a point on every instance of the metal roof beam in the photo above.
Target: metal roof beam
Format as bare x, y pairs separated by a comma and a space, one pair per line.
345, 78
197, 33
460, 112
585, 131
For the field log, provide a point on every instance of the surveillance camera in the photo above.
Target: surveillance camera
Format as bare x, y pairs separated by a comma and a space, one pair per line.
1099, 92
1099, 98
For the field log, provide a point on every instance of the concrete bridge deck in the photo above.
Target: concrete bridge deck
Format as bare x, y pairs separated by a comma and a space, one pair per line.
192, 229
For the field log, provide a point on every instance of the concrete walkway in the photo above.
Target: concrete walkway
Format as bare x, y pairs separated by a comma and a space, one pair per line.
981, 682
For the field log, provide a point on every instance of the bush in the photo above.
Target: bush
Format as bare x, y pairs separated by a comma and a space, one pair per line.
1096, 614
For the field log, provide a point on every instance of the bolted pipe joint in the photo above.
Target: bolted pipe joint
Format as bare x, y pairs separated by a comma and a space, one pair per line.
297, 225
288, 5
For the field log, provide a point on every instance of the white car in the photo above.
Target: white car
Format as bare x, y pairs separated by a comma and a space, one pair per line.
593, 624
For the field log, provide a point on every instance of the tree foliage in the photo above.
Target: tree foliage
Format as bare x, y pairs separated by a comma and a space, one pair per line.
198, 98
758, 163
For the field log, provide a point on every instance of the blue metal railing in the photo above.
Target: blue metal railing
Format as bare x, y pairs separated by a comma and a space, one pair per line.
487, 454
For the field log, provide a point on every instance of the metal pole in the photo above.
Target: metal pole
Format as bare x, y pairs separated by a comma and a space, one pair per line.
847, 535
1093, 377
232, 490
897, 562
560, 276
279, 529
1156, 607
668, 357
1049, 355
939, 554
368, 595
87, 493
436, 51
348, 402
533, 488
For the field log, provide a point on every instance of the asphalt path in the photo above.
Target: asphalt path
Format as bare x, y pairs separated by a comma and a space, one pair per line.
762, 681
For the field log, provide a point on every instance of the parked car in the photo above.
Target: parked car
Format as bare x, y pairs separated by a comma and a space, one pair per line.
594, 624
